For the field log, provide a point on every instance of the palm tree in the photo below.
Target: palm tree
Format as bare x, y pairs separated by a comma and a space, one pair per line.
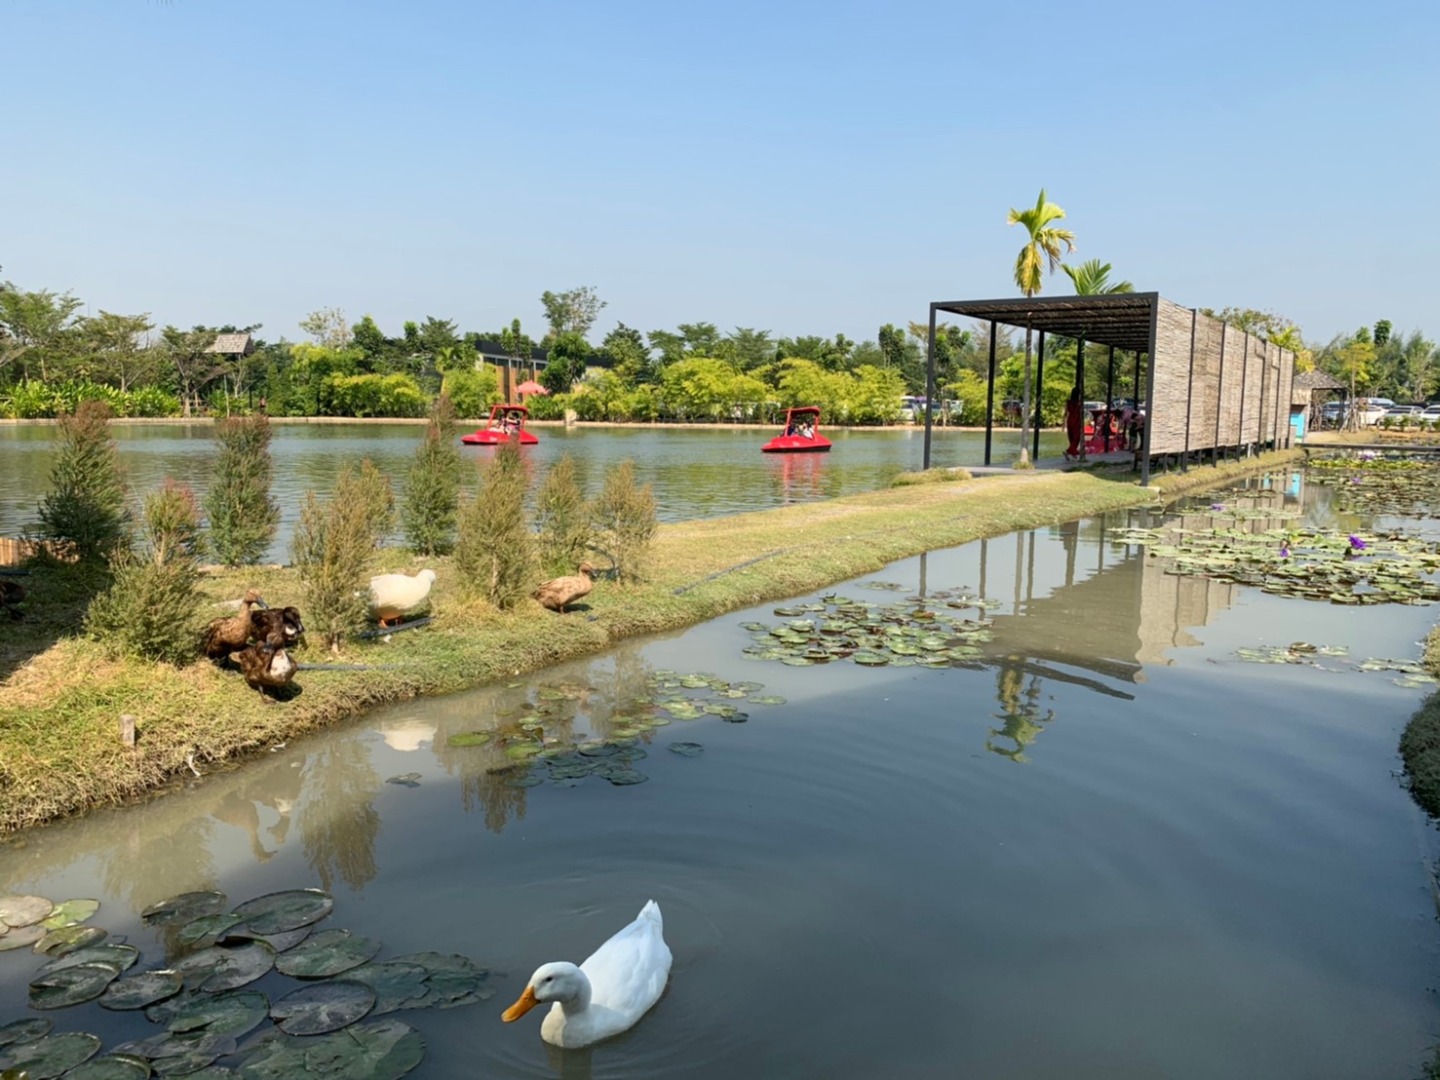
1092, 278
1044, 239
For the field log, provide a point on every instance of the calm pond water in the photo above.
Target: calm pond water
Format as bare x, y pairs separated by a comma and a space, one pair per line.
1108, 849
696, 472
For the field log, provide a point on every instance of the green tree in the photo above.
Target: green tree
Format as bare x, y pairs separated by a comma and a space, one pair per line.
31, 324
332, 547
573, 311
116, 344
747, 348
517, 344
565, 362
1092, 278
328, 327
84, 510
563, 518
432, 494
243, 515
1042, 245
151, 608
195, 367
627, 353
625, 521
495, 554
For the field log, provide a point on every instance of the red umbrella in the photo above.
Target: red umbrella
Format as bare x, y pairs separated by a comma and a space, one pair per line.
530, 386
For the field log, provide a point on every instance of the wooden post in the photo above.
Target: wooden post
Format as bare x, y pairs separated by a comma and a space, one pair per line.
127, 730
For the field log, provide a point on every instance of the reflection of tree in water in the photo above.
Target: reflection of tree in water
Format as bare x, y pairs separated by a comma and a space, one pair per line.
338, 824
1022, 720
488, 790
146, 864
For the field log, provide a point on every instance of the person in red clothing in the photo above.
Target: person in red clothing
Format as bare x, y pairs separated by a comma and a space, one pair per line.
1074, 423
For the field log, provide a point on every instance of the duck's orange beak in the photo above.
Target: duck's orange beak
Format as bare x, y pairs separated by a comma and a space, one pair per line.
527, 1002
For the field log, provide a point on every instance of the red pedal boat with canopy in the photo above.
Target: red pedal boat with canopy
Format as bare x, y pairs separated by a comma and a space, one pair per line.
801, 434
506, 422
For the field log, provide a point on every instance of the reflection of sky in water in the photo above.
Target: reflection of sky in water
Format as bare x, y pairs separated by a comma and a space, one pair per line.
1167, 861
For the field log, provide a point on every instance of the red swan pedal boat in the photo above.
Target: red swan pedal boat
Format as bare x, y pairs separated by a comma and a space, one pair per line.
506, 422
801, 434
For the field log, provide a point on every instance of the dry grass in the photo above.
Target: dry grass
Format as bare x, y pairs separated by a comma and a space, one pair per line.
61, 699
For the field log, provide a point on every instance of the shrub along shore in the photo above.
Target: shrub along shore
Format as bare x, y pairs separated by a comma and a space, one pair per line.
62, 698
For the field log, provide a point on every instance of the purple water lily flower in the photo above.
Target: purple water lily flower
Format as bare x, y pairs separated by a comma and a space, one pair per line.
1356, 544
1217, 506
1284, 551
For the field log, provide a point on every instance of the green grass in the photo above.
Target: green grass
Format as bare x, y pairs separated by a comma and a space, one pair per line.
61, 698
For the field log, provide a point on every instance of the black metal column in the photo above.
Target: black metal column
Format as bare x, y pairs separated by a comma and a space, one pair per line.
1109, 397
990, 397
929, 387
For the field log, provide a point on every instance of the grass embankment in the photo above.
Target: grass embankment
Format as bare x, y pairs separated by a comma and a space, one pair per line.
1420, 743
61, 698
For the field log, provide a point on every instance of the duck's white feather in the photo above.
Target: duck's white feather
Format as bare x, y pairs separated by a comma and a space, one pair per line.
624, 977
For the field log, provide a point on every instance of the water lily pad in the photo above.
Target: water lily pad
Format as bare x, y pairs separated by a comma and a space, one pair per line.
24, 1031
22, 937
19, 911
226, 967
522, 751
323, 1007
289, 910
576, 771
138, 991
184, 907
765, 699
70, 913
279, 942
524, 780
232, 1013
597, 749
71, 986
797, 661
68, 939
409, 779
753, 626
119, 956
470, 738
112, 1067
681, 710
450, 979
53, 1055
375, 1050
870, 659
327, 953
686, 749
208, 929
397, 984
622, 776
180, 1053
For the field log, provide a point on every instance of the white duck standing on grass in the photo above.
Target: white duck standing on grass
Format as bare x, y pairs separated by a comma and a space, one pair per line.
392, 595
606, 994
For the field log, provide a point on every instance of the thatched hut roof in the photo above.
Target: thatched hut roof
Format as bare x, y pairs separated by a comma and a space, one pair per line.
233, 345
1317, 380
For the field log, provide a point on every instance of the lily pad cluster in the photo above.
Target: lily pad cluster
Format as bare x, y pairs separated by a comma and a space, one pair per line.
1311, 564
1412, 673
202, 1001
540, 745
1402, 486
914, 631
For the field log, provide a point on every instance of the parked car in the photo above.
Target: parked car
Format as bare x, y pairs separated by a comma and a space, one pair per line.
1398, 411
1372, 409
1431, 412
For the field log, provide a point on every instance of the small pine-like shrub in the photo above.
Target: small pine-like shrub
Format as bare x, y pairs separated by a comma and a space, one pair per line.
563, 518
624, 519
495, 553
151, 609
84, 512
432, 494
332, 547
372, 488
243, 516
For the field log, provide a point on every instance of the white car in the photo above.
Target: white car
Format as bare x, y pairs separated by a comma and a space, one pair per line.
1372, 409
1430, 412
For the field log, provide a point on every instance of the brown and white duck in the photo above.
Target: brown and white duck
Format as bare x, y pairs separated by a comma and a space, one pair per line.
11, 595
266, 665
558, 593
230, 635
279, 624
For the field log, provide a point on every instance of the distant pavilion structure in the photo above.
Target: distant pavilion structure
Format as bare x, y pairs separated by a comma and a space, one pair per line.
1206, 386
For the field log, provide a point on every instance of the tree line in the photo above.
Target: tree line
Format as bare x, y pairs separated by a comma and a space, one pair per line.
54, 354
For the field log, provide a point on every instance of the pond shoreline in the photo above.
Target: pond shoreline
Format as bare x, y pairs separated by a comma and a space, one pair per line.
461, 422
62, 699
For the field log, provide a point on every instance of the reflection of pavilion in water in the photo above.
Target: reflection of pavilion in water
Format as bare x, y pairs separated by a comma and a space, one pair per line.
1093, 614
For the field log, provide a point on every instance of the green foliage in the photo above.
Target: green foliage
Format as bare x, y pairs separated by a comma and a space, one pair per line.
565, 362
495, 554
1092, 278
377, 500
1042, 242
704, 389
432, 494
563, 519
573, 311
35, 400
332, 547
624, 519
243, 515
84, 510
371, 395
471, 392
151, 609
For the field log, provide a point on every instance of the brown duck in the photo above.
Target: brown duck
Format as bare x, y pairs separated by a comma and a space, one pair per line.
266, 665
558, 593
285, 622
11, 594
226, 636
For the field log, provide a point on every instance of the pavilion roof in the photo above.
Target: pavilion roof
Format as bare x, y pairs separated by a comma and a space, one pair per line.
1119, 319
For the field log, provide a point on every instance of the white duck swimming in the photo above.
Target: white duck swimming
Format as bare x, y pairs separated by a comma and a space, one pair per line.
606, 994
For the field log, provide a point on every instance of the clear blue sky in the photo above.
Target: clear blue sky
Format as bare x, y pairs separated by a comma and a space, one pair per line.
793, 166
